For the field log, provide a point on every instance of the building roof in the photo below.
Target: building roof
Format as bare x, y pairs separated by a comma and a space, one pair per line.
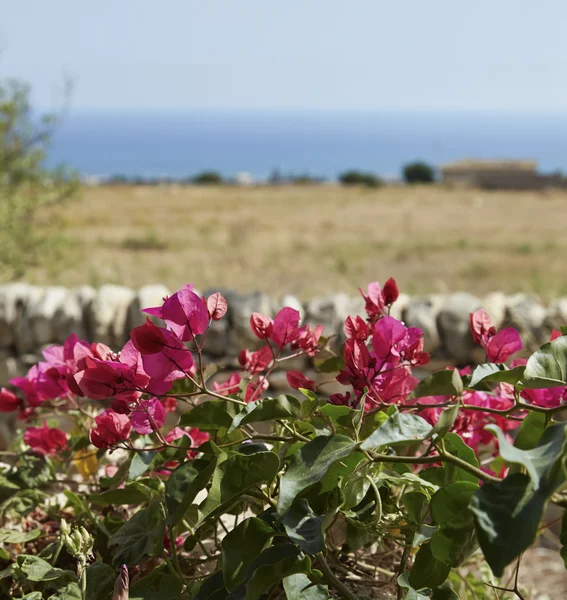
472, 164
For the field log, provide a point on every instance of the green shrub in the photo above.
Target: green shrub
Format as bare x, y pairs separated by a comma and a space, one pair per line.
208, 178
28, 233
419, 172
360, 178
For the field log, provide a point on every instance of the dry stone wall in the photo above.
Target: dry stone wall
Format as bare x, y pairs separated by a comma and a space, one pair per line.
33, 317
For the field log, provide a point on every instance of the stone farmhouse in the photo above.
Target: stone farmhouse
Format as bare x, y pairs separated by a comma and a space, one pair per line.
499, 174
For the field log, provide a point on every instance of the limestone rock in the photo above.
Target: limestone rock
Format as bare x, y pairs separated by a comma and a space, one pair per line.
146, 297
527, 315
454, 327
495, 305
238, 315
108, 314
331, 312
422, 312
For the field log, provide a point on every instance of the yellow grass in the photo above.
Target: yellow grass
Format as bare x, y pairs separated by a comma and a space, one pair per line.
315, 240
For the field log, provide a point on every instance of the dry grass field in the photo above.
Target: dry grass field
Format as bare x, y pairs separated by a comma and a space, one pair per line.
315, 239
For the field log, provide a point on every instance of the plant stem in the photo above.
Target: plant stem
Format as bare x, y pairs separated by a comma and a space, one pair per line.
443, 457
332, 580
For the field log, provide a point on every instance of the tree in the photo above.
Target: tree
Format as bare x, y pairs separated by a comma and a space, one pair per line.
28, 232
358, 178
419, 172
208, 178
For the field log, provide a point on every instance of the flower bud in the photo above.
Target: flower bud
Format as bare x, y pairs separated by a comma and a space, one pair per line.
64, 528
77, 541
121, 587
87, 541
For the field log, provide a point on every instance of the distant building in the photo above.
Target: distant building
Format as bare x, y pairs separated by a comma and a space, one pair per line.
499, 174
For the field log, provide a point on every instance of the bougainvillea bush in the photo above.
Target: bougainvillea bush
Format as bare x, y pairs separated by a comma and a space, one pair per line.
145, 473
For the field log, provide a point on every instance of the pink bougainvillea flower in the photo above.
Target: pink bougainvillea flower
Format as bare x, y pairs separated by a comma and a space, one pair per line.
110, 429
230, 386
255, 362
308, 340
254, 389
43, 382
373, 301
217, 306
170, 404
341, 399
184, 312
481, 327
9, 402
164, 356
286, 327
546, 398
388, 333
356, 328
103, 379
148, 416
554, 335
261, 325
502, 345
195, 435
45, 440
499, 346
297, 379
390, 292
148, 338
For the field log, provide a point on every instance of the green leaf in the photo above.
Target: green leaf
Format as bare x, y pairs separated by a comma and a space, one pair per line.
100, 581
371, 422
37, 569
547, 367
240, 547
33, 596
7, 488
453, 546
234, 475
414, 503
498, 373
531, 430
540, 461
304, 527
343, 416
140, 464
183, 485
411, 594
283, 407
507, 515
299, 587
445, 592
455, 445
442, 383
9, 536
446, 421
210, 415
334, 364
423, 534
450, 505
273, 565
427, 571
309, 464
140, 536
158, 585
400, 428
130, 495
368, 512
69, 590
563, 537
33, 471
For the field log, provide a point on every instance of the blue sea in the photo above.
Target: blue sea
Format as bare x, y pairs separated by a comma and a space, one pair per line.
321, 144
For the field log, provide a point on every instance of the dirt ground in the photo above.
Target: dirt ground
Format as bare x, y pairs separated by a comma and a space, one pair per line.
311, 240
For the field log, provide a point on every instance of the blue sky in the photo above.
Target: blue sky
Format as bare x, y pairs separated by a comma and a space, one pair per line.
299, 54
